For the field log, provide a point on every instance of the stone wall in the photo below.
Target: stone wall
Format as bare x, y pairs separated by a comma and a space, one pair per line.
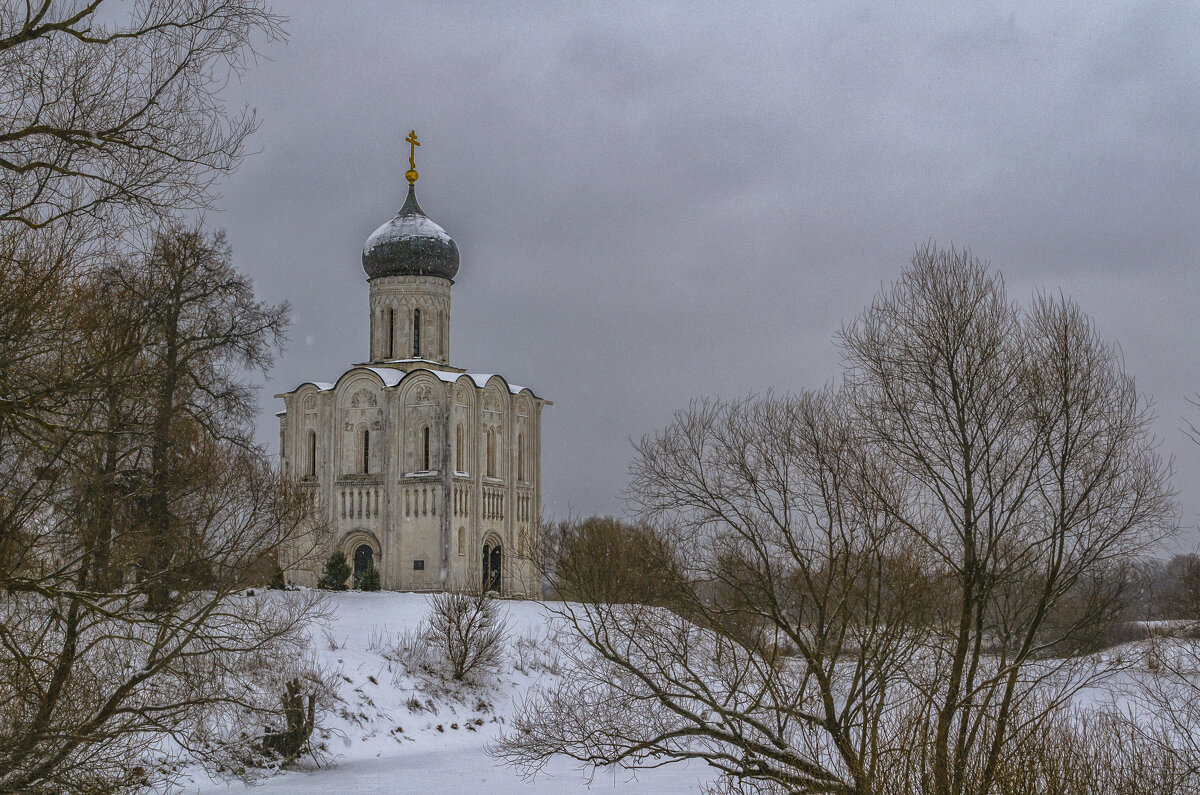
439, 515
402, 296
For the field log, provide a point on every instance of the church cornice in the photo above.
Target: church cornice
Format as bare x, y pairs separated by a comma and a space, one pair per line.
409, 299
409, 365
392, 373
433, 284
359, 479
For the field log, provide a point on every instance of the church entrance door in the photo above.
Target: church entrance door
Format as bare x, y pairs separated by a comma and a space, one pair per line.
491, 567
363, 560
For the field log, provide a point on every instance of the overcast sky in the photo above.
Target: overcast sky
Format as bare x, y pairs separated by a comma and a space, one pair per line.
657, 202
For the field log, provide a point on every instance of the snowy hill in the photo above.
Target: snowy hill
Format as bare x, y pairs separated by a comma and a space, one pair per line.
393, 730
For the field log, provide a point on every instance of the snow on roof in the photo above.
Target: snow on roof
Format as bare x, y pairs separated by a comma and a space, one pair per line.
445, 375
390, 376
481, 380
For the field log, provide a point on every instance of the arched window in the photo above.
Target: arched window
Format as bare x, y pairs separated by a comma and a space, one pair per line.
441, 336
365, 460
391, 331
425, 447
459, 465
491, 452
312, 453
520, 456
462, 541
416, 333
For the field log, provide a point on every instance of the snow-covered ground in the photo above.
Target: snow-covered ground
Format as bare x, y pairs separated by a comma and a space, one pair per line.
395, 728
396, 732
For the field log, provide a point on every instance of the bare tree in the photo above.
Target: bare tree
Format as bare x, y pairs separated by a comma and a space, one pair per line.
779, 656
142, 482
111, 110
43, 380
1028, 452
1179, 588
201, 329
877, 578
1163, 700
111, 120
90, 682
126, 470
1160, 704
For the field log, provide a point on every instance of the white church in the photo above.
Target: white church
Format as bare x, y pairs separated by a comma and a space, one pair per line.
427, 472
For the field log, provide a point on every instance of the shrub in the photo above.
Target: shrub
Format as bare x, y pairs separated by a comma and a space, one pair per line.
369, 581
604, 560
408, 648
337, 571
467, 631
277, 581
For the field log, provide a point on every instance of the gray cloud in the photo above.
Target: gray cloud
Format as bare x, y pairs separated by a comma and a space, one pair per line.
657, 202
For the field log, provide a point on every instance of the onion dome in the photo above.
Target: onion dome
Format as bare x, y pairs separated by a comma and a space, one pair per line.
410, 245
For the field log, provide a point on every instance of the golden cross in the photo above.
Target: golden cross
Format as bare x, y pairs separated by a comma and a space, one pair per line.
413, 143
412, 148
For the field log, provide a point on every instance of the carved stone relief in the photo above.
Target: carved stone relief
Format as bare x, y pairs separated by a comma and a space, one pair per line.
374, 423
363, 398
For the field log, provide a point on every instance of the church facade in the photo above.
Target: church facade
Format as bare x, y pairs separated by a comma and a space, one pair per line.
424, 471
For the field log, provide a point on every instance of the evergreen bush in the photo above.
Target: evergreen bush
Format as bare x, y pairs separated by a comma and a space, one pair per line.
277, 581
369, 581
337, 571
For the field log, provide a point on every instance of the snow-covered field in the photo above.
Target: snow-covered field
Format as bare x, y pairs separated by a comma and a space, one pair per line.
394, 732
